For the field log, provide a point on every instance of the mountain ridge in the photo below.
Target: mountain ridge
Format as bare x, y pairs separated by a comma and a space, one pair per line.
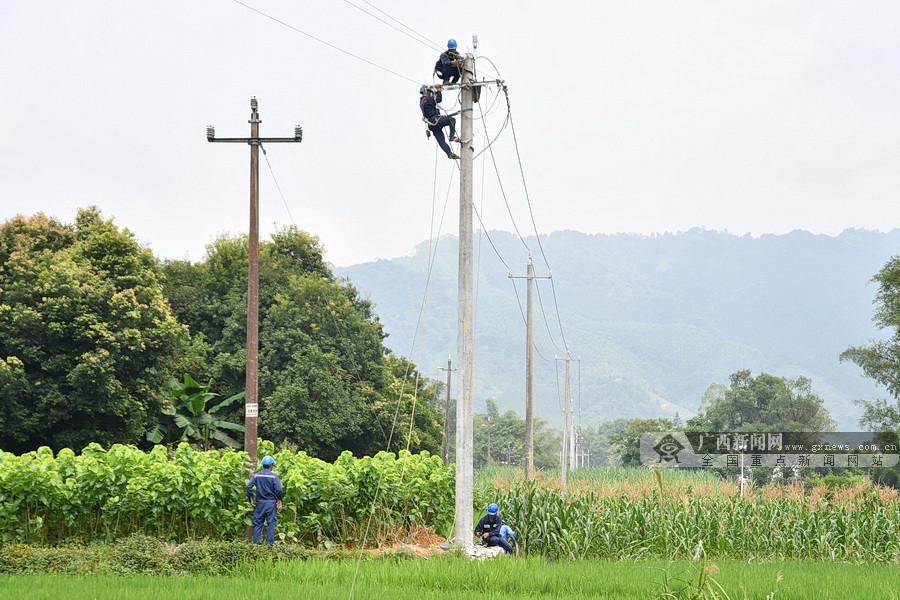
655, 317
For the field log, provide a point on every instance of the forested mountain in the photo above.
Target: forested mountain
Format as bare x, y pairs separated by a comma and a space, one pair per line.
655, 319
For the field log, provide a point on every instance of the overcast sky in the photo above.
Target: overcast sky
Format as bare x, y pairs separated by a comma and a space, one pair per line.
642, 116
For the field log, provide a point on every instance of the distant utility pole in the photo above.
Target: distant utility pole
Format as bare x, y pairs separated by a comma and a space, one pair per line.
445, 441
567, 433
529, 368
251, 389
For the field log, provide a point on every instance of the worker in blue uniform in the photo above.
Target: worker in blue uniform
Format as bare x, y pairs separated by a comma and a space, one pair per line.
493, 531
429, 98
267, 501
447, 66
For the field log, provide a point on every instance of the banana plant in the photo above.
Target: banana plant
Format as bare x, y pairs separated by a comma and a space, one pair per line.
191, 419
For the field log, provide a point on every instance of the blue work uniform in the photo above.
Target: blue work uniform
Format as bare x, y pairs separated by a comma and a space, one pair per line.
268, 491
445, 68
497, 531
436, 122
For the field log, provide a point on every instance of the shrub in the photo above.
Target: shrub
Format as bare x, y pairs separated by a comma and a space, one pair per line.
188, 494
141, 554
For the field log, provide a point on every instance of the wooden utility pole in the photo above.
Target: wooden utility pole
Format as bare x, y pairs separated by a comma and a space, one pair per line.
445, 440
465, 330
251, 388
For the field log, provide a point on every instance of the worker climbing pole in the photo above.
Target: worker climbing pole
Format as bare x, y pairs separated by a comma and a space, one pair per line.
429, 98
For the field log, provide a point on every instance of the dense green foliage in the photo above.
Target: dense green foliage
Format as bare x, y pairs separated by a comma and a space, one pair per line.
193, 419
881, 359
87, 341
451, 578
189, 494
327, 383
500, 439
762, 403
139, 553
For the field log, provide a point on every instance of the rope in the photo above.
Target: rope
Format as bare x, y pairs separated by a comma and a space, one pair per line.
402, 387
502, 190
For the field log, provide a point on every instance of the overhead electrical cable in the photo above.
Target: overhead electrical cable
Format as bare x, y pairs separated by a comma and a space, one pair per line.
324, 42
402, 24
428, 44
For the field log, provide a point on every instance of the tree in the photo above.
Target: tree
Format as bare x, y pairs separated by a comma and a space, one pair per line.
191, 419
626, 441
763, 403
327, 383
881, 359
499, 438
881, 362
88, 343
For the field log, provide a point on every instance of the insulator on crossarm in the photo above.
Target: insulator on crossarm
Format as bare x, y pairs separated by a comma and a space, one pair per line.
210, 132
298, 133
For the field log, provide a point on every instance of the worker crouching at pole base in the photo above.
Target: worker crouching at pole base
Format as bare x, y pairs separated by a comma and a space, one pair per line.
429, 98
493, 531
267, 501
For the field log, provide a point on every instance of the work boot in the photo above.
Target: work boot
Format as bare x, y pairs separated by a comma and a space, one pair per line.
454, 138
453, 156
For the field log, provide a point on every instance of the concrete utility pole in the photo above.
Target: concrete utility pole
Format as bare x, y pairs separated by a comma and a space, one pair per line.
465, 302
251, 388
529, 368
445, 440
567, 433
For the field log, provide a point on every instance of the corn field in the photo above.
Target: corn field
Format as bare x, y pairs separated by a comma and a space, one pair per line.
647, 520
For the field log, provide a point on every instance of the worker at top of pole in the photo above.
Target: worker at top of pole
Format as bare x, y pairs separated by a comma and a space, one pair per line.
447, 65
267, 501
494, 531
429, 98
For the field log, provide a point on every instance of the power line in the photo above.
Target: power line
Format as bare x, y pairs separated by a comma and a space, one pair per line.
277, 186
546, 321
428, 44
399, 22
525, 320
321, 41
503, 191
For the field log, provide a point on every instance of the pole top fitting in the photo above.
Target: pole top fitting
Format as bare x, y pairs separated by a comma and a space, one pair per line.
254, 111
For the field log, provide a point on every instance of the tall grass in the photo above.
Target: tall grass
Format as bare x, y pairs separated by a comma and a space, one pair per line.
458, 579
648, 520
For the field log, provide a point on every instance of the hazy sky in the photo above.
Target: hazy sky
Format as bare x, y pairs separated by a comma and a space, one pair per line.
632, 116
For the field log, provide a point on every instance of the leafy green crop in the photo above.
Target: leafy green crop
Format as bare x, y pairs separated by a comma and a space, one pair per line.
191, 494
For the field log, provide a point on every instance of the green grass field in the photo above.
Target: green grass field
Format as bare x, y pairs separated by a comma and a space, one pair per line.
454, 578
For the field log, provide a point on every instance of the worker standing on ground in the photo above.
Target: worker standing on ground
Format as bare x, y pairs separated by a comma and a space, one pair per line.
447, 66
267, 501
493, 531
429, 98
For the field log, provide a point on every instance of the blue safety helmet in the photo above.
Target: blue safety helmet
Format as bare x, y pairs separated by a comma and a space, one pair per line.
268, 461
422, 89
451, 44
493, 509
